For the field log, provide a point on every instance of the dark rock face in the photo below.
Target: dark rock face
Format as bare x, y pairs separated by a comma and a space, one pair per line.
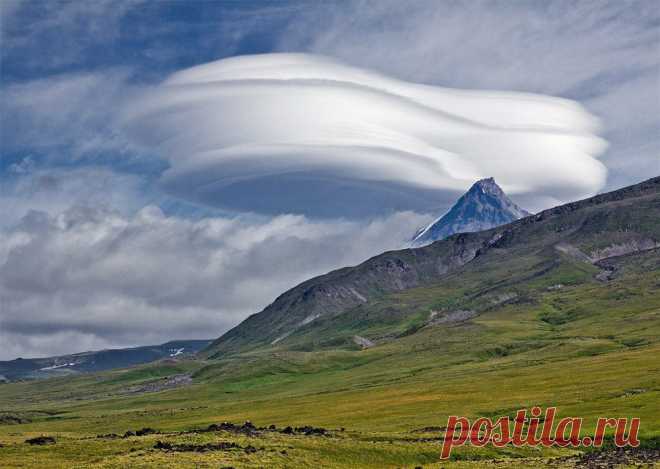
482, 207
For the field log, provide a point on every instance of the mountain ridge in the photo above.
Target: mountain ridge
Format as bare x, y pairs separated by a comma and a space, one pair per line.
603, 223
97, 360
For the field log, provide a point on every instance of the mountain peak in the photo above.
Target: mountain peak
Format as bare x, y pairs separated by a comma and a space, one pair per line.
483, 206
485, 182
489, 186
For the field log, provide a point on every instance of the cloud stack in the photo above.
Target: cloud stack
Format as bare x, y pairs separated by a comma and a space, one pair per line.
297, 132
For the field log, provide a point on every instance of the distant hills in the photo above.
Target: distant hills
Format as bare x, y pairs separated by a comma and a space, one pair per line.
359, 307
483, 206
87, 362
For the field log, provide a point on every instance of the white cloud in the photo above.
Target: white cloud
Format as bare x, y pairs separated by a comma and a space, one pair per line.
277, 122
89, 278
58, 33
603, 53
543, 47
55, 190
68, 116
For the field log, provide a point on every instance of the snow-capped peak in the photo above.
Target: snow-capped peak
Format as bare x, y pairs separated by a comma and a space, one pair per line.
483, 206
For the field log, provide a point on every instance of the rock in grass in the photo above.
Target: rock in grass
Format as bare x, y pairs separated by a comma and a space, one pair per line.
145, 431
41, 440
220, 446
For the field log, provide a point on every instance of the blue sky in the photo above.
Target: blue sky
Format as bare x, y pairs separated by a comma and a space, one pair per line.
71, 168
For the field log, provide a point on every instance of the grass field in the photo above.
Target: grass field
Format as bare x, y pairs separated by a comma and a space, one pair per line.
588, 347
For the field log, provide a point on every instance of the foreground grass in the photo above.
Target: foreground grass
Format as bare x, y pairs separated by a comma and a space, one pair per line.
379, 421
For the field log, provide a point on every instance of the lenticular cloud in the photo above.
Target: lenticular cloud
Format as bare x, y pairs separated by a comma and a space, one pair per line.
303, 133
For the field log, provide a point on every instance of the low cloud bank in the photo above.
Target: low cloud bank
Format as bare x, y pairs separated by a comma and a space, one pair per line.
89, 278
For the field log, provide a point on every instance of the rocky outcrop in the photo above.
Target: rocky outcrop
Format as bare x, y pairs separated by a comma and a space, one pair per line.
363, 341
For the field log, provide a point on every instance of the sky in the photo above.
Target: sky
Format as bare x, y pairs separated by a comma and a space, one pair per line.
169, 168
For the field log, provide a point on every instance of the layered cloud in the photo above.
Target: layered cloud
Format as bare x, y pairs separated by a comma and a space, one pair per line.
90, 278
603, 53
303, 133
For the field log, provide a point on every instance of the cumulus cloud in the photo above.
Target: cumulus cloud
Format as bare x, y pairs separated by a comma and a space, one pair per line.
295, 132
91, 278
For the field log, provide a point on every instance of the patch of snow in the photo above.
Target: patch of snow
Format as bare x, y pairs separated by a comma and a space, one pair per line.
421, 234
282, 337
310, 318
53, 367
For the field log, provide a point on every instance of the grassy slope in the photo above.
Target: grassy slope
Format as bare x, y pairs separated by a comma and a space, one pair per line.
589, 348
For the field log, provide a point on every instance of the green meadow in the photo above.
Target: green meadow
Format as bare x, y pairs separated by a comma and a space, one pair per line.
560, 338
